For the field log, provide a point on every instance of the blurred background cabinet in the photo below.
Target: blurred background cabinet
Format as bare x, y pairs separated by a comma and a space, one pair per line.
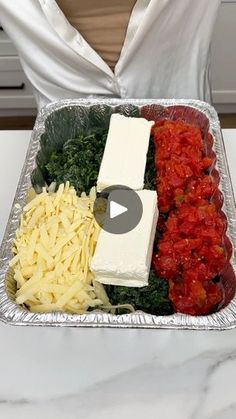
16, 94
223, 59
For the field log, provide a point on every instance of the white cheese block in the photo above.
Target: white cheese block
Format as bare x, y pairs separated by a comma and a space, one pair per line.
125, 259
125, 154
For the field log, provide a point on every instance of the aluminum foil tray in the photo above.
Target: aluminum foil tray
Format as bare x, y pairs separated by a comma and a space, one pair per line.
206, 118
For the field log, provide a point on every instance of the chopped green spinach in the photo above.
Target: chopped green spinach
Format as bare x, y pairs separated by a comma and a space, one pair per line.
150, 172
152, 299
78, 161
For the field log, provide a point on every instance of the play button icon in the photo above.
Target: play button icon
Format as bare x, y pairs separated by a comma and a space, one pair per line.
118, 209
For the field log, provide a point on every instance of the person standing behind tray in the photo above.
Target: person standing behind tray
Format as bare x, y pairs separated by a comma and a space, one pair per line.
113, 48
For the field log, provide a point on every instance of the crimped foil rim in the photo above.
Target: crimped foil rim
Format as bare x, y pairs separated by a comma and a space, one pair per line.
13, 314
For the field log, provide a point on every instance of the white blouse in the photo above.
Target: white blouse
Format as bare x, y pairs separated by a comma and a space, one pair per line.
165, 52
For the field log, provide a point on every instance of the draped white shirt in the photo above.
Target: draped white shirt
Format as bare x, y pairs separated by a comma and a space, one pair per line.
165, 52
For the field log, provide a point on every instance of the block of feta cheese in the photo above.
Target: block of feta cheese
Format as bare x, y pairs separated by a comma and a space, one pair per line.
125, 154
125, 259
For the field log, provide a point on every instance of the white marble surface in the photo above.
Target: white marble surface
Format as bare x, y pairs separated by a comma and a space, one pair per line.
111, 374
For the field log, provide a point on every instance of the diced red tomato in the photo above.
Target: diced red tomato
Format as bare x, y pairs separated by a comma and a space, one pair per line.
191, 251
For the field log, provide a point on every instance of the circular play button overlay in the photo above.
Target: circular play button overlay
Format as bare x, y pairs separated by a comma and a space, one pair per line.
118, 209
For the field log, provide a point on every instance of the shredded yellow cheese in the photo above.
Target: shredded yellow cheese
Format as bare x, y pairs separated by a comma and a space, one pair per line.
53, 249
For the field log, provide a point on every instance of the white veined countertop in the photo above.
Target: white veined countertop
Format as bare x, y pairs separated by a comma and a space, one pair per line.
56, 373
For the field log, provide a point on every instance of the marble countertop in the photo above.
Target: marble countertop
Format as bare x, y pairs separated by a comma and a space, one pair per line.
67, 373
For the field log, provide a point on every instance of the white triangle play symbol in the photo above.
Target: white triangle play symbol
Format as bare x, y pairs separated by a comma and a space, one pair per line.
116, 209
